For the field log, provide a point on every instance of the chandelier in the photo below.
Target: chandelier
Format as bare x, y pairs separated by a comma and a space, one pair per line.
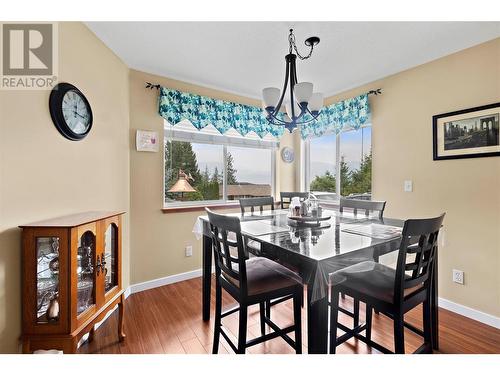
301, 101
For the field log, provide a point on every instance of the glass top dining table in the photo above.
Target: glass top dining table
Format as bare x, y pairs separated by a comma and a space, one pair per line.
343, 239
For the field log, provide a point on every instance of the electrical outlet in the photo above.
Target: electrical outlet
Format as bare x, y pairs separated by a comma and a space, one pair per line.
189, 250
408, 186
458, 276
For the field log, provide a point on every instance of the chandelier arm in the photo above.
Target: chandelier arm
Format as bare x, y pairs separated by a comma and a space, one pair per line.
292, 85
283, 92
280, 122
314, 117
305, 122
295, 73
276, 121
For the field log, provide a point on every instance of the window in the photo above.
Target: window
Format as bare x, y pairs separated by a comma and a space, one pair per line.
350, 154
205, 167
322, 164
248, 172
356, 163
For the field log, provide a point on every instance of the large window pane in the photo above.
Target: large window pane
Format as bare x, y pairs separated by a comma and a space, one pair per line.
193, 171
356, 163
248, 172
322, 168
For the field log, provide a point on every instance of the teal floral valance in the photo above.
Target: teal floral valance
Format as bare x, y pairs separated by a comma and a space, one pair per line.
201, 111
349, 113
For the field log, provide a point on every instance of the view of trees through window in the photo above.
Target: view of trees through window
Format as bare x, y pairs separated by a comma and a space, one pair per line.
355, 163
195, 172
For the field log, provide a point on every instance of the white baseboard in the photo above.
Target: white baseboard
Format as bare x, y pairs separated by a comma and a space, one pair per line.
468, 312
480, 316
139, 287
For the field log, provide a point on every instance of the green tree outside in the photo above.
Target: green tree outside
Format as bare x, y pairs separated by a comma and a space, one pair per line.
180, 155
231, 171
352, 181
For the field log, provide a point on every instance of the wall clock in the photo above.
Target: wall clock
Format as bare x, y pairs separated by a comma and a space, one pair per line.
70, 111
287, 155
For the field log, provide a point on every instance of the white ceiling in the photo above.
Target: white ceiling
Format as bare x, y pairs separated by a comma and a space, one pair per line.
244, 57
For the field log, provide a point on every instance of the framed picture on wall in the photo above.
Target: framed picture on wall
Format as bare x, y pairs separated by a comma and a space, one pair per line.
469, 133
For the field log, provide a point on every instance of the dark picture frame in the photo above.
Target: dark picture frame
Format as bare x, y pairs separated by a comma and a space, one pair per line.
455, 136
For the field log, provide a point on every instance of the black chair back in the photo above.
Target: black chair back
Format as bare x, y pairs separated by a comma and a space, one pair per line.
417, 255
360, 204
224, 229
286, 197
260, 202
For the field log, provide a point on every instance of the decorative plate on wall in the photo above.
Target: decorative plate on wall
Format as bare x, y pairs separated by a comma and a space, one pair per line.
287, 155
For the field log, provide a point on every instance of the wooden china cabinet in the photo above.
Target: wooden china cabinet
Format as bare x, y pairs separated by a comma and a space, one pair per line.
71, 278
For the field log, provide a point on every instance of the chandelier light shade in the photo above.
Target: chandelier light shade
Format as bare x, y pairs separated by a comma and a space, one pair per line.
270, 96
316, 102
303, 92
306, 104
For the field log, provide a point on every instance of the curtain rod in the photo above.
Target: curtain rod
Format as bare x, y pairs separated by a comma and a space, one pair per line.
151, 86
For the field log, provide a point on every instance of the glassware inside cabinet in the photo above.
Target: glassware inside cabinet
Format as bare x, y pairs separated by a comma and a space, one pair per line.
85, 271
110, 249
47, 279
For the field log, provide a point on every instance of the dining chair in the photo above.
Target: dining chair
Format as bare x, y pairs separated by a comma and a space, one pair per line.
363, 205
250, 281
260, 202
393, 292
286, 197
368, 207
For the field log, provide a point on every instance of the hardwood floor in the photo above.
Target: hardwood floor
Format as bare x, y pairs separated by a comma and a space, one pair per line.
168, 320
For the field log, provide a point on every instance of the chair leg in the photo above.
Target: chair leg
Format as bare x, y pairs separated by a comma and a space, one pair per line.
242, 331
218, 313
399, 336
368, 332
262, 312
334, 314
356, 313
297, 321
268, 309
426, 308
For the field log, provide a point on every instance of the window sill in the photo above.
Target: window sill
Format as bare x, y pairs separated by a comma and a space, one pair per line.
201, 207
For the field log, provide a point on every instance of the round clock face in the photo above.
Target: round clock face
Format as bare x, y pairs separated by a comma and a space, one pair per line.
70, 111
75, 112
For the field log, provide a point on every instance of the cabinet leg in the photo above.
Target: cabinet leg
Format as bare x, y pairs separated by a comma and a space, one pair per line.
121, 334
26, 347
70, 345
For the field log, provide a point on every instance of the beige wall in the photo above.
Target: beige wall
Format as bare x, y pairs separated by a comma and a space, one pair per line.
44, 175
468, 190
158, 239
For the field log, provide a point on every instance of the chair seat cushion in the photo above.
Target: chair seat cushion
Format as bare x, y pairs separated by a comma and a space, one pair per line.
265, 275
371, 279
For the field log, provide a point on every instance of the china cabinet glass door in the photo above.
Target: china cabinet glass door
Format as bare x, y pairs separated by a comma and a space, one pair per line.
47, 279
110, 257
85, 271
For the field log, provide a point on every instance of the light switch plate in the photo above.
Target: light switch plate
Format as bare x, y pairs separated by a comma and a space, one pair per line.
408, 185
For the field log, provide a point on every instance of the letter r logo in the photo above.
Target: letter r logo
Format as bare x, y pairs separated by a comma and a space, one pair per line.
27, 49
